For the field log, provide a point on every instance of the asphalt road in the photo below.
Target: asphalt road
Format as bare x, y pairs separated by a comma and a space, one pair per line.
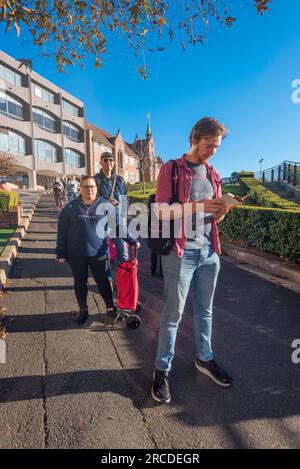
65, 386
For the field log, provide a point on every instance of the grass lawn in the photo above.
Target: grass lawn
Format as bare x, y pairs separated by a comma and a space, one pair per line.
234, 189
5, 234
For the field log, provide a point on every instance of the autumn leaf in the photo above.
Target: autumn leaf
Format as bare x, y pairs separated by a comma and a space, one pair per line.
57, 26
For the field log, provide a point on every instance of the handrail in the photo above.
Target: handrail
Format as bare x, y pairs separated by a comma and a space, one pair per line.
277, 173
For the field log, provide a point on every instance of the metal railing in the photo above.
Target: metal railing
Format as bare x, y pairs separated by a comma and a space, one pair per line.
287, 171
230, 180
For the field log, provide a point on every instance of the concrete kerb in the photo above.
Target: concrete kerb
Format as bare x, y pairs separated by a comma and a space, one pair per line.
275, 269
10, 251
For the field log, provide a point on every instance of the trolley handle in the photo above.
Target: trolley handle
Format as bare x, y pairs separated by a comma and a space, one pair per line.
134, 252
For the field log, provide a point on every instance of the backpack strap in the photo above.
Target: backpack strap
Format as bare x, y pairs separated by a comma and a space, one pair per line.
175, 195
112, 192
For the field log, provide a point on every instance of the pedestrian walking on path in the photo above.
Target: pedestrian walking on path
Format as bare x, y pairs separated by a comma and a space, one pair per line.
58, 192
79, 243
112, 186
72, 188
193, 262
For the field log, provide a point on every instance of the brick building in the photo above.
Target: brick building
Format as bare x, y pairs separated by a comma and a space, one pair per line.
133, 160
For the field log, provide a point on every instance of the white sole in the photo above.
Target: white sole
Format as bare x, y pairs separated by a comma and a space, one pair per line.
207, 373
161, 401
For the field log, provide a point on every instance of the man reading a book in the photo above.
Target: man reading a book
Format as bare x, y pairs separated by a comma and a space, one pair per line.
193, 263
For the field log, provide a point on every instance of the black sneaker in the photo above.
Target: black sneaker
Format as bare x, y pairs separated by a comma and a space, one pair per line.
216, 373
82, 316
160, 388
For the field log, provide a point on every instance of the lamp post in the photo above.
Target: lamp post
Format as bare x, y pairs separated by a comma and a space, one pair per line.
260, 163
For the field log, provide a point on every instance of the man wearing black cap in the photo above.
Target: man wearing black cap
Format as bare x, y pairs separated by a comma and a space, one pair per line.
112, 187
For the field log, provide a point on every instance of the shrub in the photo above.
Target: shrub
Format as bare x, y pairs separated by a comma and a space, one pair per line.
138, 186
246, 174
264, 196
139, 196
272, 230
8, 199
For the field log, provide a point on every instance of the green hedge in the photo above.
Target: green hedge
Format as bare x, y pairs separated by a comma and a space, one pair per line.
263, 196
246, 174
139, 196
8, 199
138, 186
272, 230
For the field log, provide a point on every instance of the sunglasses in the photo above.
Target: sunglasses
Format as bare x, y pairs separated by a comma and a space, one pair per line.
88, 187
106, 160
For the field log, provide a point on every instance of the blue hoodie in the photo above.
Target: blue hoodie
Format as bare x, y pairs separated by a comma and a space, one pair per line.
77, 235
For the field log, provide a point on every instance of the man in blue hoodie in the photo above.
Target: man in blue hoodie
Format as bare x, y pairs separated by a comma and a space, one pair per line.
79, 242
112, 187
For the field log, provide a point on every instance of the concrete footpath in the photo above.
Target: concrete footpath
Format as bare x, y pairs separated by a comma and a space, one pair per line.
65, 386
29, 200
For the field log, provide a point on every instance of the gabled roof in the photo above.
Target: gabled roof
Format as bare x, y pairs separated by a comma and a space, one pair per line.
101, 135
129, 151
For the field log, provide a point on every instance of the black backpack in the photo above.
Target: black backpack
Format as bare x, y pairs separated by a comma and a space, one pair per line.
57, 187
158, 244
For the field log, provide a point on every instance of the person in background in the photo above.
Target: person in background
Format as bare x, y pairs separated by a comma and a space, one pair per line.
154, 257
111, 187
79, 243
58, 191
72, 188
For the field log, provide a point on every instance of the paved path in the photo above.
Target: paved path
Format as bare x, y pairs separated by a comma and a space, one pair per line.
70, 387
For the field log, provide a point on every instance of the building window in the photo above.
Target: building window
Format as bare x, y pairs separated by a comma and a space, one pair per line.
72, 132
126, 176
43, 119
10, 76
45, 151
120, 160
126, 158
132, 178
70, 109
22, 179
12, 143
97, 147
131, 161
10, 106
97, 167
45, 95
72, 158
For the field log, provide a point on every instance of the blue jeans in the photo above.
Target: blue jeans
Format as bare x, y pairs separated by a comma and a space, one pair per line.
72, 196
199, 270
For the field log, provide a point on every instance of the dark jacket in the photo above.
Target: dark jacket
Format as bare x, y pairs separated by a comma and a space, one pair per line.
104, 185
77, 231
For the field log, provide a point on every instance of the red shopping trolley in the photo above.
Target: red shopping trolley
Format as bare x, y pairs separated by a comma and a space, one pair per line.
129, 306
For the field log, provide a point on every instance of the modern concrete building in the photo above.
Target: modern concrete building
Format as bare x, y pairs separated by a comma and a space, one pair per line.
41, 126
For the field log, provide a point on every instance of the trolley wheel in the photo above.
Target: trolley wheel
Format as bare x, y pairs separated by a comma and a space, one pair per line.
138, 308
133, 321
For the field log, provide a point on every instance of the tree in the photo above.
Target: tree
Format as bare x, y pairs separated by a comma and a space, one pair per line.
71, 29
6, 163
141, 148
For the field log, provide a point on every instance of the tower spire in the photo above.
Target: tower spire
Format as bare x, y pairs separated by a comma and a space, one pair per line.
148, 133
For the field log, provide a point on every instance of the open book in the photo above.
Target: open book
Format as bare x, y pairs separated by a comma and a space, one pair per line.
233, 200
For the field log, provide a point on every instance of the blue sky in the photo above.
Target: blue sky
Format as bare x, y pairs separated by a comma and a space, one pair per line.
242, 76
